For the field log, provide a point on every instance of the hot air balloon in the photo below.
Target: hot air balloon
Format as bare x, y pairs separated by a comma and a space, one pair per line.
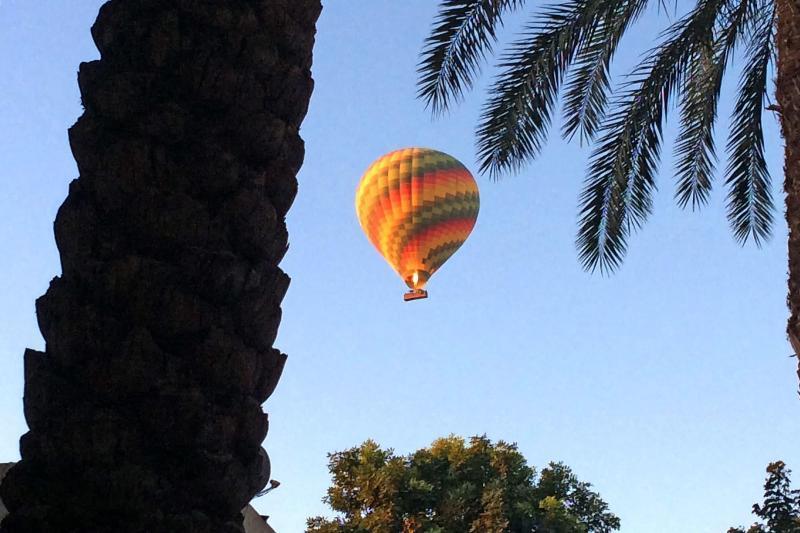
417, 207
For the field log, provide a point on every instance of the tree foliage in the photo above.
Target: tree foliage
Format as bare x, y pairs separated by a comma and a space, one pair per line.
455, 486
780, 511
564, 55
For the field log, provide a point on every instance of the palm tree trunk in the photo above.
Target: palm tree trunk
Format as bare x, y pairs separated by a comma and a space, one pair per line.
788, 96
145, 408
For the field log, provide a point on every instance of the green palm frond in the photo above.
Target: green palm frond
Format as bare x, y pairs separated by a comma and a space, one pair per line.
750, 204
695, 148
464, 31
617, 197
569, 46
516, 118
586, 93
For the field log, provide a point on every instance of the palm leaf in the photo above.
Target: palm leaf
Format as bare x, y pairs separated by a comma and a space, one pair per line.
516, 118
617, 197
588, 88
695, 149
464, 31
750, 206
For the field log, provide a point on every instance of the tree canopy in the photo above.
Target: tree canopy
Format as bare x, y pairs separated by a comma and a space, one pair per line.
780, 511
455, 486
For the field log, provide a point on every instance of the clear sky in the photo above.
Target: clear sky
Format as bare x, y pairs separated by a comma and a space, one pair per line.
668, 385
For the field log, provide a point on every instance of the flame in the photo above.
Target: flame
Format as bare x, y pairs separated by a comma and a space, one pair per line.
415, 278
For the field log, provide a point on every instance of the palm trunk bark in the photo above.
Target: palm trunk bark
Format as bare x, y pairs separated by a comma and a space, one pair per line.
788, 97
145, 408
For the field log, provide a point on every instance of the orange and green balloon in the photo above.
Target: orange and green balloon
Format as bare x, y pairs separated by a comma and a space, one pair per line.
417, 207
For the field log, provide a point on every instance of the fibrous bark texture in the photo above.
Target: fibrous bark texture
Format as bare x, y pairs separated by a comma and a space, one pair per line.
145, 409
788, 96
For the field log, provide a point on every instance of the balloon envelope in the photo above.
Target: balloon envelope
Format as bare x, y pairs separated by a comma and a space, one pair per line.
417, 207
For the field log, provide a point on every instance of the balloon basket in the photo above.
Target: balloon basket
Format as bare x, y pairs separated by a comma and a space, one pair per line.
415, 294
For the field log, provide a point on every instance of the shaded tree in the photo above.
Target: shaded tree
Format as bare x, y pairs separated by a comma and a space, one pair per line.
780, 511
564, 54
455, 487
145, 407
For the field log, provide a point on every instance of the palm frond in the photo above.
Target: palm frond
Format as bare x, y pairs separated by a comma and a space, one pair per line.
464, 31
749, 200
516, 118
617, 197
588, 88
695, 148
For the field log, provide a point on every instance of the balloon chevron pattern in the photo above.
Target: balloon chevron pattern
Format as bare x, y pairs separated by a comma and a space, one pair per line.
417, 207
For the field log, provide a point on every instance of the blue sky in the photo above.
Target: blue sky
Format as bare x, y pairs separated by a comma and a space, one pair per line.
668, 385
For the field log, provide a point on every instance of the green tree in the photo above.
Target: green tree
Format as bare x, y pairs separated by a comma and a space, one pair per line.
456, 487
567, 49
144, 410
780, 510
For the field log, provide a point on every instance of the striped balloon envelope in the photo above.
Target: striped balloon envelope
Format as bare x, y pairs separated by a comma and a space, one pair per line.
417, 207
